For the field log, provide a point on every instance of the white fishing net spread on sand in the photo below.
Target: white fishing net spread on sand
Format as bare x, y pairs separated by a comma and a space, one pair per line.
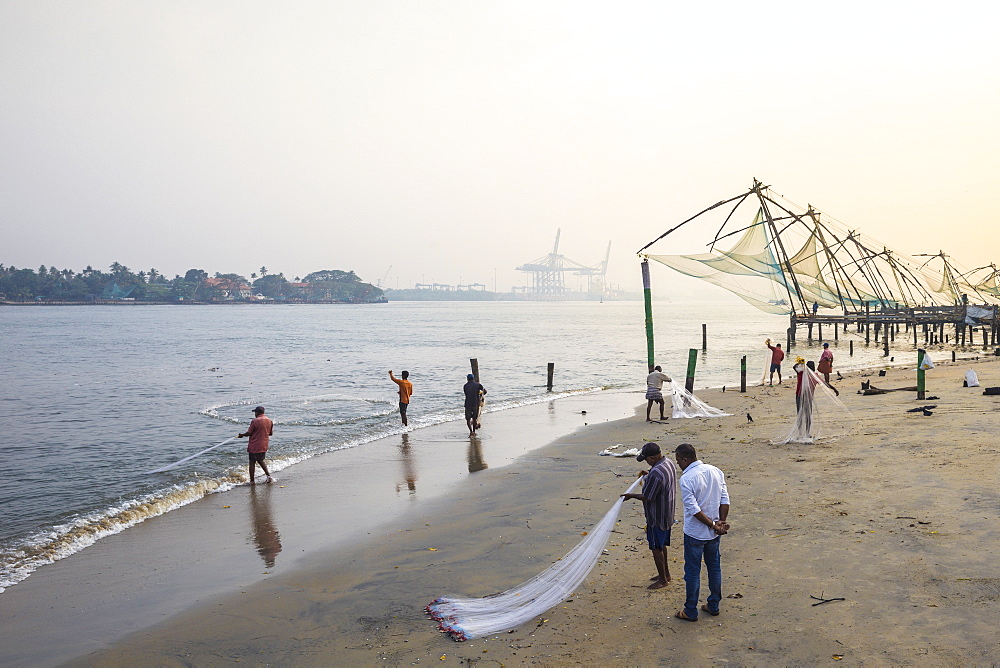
465, 618
821, 415
686, 405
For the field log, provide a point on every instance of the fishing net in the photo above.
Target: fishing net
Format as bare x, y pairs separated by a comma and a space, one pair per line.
190, 457
821, 416
465, 618
686, 405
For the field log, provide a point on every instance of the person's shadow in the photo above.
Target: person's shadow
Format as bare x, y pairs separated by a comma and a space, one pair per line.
265, 535
409, 471
475, 455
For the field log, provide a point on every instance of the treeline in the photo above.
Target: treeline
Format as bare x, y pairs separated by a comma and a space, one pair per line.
196, 285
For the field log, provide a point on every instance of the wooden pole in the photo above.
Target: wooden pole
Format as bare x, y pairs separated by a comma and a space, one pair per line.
885, 346
920, 374
692, 363
852, 347
704, 336
836, 333
743, 374
648, 299
475, 368
552, 370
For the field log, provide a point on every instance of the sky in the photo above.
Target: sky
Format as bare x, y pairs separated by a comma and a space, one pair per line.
422, 141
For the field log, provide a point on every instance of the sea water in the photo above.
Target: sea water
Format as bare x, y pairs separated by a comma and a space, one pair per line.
92, 398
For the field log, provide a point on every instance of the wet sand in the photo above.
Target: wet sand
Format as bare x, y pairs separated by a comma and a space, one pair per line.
896, 518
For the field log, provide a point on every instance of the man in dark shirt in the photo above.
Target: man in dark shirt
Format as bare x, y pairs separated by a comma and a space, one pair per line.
473, 400
658, 500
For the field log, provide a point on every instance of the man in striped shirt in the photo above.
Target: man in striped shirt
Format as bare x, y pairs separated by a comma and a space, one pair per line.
658, 498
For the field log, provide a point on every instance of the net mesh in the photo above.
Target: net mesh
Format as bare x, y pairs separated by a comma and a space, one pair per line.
686, 405
466, 618
821, 415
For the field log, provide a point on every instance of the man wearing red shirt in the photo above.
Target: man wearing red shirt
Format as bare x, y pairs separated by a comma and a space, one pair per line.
259, 431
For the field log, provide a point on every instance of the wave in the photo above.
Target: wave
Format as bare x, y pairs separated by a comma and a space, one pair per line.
45, 547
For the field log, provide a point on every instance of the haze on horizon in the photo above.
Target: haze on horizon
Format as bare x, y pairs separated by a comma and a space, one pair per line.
450, 140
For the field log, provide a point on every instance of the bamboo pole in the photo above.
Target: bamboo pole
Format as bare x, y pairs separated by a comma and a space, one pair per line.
648, 299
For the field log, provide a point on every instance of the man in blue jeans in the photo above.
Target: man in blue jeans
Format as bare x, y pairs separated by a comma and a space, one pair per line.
706, 507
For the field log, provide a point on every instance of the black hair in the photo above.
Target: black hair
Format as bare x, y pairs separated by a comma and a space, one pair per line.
405, 375
686, 450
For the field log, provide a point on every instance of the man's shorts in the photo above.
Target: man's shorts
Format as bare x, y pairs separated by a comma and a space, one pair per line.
257, 456
658, 538
402, 408
653, 394
472, 412
775, 367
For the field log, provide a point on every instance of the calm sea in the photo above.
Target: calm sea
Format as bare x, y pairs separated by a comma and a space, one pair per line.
94, 397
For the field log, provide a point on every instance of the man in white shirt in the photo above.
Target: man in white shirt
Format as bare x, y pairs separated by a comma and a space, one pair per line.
654, 387
706, 507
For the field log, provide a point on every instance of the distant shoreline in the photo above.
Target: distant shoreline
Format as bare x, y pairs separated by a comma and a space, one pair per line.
116, 302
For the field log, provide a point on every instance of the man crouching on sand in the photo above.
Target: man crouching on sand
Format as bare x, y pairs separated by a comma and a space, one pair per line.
658, 503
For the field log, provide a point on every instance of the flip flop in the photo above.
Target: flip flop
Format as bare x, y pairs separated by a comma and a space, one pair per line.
704, 606
680, 615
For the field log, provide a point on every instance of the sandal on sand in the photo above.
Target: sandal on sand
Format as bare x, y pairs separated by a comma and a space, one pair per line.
680, 615
704, 606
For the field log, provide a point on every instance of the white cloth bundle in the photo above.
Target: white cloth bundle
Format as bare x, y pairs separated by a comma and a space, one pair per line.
465, 618
971, 379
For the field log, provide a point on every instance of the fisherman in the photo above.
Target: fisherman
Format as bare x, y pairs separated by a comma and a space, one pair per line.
260, 430
825, 366
405, 390
777, 355
474, 393
658, 500
654, 393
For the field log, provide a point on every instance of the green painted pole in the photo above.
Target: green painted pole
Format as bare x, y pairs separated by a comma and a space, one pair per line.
692, 363
743, 374
921, 374
648, 299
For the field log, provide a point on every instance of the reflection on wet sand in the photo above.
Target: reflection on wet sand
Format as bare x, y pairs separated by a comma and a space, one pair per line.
409, 470
476, 461
265, 536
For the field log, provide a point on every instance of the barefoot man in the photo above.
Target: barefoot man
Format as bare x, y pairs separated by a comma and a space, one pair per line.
654, 390
657, 498
260, 430
405, 392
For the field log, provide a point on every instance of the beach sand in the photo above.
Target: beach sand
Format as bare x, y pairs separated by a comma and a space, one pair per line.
898, 519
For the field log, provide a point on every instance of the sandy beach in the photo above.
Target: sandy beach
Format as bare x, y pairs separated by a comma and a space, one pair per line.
896, 518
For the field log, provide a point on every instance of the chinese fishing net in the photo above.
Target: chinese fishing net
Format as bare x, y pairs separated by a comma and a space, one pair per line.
465, 618
821, 415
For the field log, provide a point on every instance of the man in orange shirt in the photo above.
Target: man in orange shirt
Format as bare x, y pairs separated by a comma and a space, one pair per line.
260, 430
405, 390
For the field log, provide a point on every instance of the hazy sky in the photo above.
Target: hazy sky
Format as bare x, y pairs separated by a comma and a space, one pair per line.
451, 139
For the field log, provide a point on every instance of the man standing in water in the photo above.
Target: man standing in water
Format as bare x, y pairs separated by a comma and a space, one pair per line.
405, 390
473, 400
658, 500
259, 431
706, 507
654, 393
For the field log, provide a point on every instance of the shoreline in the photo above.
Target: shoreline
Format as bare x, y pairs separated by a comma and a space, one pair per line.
895, 518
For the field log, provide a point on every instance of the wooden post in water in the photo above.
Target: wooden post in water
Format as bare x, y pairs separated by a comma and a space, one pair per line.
552, 370
914, 333
704, 336
820, 327
920, 374
791, 337
475, 368
648, 299
743, 374
692, 363
836, 333
885, 346
852, 347
952, 355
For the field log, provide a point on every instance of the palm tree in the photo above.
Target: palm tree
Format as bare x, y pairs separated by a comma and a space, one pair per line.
263, 271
